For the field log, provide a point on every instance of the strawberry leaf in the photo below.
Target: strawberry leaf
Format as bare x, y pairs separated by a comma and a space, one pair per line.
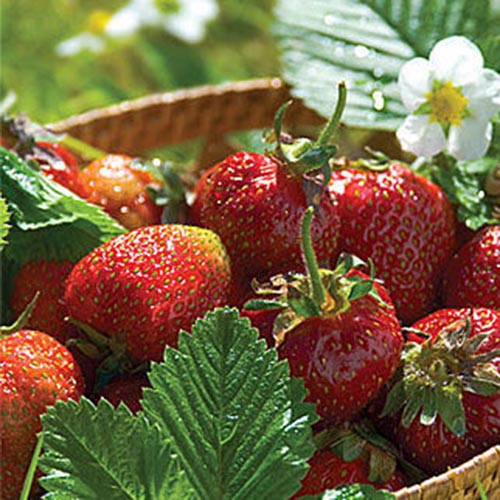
237, 421
98, 452
365, 43
4, 222
353, 492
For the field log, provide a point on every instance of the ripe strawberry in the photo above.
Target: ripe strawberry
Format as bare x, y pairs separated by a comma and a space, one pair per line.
404, 223
472, 278
58, 164
255, 202
127, 389
328, 470
139, 289
448, 389
35, 372
119, 184
341, 335
47, 278
263, 320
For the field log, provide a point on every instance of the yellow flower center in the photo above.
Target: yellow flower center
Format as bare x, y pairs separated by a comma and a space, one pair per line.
448, 104
98, 20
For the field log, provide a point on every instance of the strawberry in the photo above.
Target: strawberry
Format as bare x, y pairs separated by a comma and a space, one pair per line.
47, 278
404, 223
349, 459
58, 164
35, 372
119, 184
139, 289
263, 320
127, 389
255, 203
448, 390
340, 334
472, 278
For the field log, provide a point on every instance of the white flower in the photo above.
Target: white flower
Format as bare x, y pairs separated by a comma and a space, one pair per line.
452, 99
78, 43
188, 21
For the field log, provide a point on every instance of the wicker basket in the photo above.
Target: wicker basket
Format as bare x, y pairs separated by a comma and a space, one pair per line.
136, 126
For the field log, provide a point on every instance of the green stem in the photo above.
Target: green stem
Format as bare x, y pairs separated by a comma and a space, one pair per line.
21, 320
30, 475
333, 122
319, 292
86, 151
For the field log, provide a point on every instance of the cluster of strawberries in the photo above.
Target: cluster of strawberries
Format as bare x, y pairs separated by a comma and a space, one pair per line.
332, 288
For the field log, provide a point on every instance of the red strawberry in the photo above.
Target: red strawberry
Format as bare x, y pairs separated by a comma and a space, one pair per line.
472, 278
263, 320
449, 389
341, 335
47, 278
141, 288
58, 164
404, 223
255, 203
328, 470
126, 389
119, 184
35, 372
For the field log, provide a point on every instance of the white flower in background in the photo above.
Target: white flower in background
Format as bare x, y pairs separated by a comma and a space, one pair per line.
452, 99
184, 19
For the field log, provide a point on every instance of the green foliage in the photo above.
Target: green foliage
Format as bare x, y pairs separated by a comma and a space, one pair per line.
49, 87
353, 492
48, 221
98, 452
365, 43
4, 222
221, 408
463, 182
236, 419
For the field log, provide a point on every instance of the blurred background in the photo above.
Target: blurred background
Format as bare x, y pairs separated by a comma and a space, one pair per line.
62, 57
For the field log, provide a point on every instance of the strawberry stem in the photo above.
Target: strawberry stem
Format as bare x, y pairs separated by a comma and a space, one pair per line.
318, 289
333, 122
82, 149
30, 475
21, 320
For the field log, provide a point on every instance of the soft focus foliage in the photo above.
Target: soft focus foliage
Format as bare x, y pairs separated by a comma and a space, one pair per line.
237, 45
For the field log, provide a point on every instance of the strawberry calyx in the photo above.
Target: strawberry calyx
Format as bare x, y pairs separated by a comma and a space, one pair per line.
321, 292
435, 374
309, 160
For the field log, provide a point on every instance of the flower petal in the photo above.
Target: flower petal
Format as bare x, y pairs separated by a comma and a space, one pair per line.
456, 59
421, 137
79, 43
414, 81
484, 95
470, 140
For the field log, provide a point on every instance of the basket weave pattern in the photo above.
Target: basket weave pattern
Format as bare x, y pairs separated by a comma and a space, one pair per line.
162, 119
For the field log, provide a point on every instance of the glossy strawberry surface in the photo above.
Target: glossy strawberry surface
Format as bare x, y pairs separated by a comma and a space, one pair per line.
405, 224
60, 166
434, 447
255, 204
472, 278
47, 278
142, 287
328, 470
345, 358
35, 372
119, 185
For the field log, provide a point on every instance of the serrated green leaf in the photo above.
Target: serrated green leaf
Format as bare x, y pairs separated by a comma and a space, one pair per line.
56, 223
99, 452
463, 182
365, 43
237, 421
353, 492
4, 222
